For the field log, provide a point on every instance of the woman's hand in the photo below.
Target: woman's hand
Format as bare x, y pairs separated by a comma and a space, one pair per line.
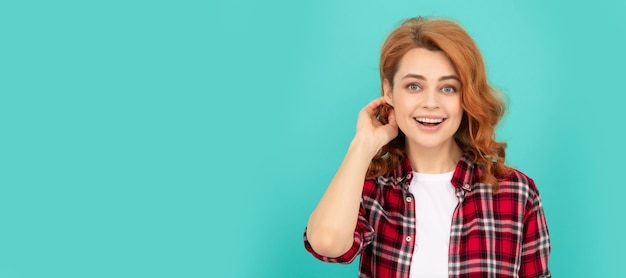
330, 229
371, 131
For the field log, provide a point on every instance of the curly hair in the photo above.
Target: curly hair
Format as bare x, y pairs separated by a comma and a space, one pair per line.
483, 106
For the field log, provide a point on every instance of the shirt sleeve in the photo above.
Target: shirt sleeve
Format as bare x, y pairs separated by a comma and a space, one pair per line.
363, 236
536, 245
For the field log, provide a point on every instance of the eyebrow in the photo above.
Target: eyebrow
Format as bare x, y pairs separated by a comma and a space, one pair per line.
446, 77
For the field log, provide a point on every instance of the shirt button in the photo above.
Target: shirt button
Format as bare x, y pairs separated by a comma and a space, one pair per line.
408, 238
408, 176
466, 186
408, 199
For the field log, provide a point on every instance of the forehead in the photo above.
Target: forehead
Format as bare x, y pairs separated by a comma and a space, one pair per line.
430, 64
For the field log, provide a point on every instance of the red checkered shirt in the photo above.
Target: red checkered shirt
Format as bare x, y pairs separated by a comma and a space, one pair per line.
492, 235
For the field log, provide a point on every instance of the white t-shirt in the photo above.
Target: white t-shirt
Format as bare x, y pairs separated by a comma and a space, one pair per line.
435, 201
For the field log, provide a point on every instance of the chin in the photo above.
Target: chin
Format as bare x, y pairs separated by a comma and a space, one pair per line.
430, 144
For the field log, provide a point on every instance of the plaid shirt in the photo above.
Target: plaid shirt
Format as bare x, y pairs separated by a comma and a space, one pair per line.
501, 235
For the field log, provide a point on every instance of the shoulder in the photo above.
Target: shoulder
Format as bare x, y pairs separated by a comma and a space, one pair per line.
517, 182
397, 176
518, 177
375, 186
386, 185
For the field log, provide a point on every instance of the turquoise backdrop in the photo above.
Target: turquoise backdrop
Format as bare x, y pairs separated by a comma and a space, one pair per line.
193, 138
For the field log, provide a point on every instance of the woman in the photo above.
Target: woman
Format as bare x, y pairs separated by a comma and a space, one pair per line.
423, 190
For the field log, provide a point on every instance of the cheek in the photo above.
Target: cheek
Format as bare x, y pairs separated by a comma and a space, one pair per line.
402, 109
458, 110
403, 116
458, 118
455, 107
402, 101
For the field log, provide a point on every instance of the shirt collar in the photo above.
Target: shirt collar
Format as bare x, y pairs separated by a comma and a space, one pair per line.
466, 174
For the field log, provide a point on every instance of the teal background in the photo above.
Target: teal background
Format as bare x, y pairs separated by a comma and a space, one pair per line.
193, 138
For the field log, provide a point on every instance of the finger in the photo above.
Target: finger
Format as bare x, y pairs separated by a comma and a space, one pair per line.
392, 126
391, 118
370, 108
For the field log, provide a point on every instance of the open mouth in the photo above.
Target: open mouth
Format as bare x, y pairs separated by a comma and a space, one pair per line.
430, 121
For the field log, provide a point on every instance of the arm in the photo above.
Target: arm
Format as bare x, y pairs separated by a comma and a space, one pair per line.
331, 226
536, 245
363, 236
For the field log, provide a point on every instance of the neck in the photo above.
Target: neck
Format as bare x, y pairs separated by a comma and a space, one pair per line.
436, 160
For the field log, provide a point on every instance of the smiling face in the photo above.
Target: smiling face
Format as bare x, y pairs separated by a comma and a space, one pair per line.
426, 99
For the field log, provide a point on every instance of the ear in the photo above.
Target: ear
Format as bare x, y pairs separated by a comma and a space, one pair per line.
387, 92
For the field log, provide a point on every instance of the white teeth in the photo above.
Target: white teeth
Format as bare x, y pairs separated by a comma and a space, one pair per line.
429, 120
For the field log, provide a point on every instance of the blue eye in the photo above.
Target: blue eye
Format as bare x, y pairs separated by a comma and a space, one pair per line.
413, 87
448, 89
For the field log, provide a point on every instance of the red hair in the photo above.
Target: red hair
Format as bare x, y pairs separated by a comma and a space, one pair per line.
482, 104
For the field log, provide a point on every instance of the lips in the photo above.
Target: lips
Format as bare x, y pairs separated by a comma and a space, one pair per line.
427, 121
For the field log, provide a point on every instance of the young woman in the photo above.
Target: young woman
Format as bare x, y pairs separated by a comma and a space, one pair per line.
423, 190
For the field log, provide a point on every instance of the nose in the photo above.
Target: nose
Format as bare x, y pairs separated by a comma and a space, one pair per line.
431, 100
